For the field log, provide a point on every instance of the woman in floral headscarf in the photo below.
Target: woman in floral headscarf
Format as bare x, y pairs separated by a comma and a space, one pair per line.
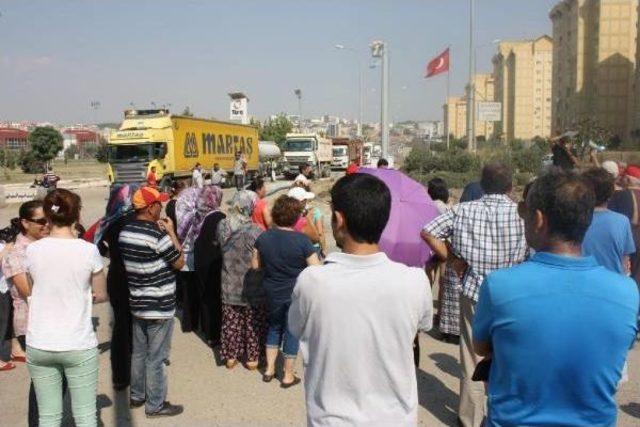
244, 316
193, 206
208, 261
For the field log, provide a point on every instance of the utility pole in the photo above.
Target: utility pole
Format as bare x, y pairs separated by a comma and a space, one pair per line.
380, 50
471, 94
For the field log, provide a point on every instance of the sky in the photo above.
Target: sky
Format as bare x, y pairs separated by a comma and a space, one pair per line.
56, 57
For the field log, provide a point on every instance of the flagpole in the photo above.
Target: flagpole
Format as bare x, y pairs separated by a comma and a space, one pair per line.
446, 102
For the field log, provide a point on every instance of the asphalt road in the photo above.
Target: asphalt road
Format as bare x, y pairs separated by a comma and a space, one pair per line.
215, 396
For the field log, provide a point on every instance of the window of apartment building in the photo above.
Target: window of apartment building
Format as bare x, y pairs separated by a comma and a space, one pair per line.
13, 143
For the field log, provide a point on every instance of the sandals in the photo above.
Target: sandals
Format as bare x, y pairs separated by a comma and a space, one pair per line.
22, 359
295, 381
252, 366
268, 378
7, 367
231, 363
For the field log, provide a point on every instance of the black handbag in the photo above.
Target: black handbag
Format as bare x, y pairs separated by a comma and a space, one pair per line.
252, 289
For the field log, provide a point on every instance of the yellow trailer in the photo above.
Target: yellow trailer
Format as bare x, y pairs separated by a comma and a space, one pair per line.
174, 144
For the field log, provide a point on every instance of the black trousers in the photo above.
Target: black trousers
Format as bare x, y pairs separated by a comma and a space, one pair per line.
191, 301
120, 340
121, 331
5, 326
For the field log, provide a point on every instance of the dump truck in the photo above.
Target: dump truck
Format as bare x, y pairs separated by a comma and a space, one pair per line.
345, 152
312, 149
174, 144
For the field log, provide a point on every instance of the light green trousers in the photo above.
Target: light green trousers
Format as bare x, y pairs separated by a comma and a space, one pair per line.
81, 369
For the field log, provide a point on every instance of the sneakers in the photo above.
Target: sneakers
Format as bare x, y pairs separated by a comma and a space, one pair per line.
167, 410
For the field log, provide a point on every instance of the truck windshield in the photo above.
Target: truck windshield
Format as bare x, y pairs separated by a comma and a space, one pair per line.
339, 151
131, 153
300, 145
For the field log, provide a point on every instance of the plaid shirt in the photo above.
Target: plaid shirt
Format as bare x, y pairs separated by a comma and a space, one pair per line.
487, 234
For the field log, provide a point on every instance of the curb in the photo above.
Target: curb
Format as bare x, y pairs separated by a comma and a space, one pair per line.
18, 193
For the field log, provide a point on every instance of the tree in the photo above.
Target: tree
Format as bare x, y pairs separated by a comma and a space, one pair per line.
8, 159
71, 152
45, 143
102, 151
187, 112
29, 163
276, 129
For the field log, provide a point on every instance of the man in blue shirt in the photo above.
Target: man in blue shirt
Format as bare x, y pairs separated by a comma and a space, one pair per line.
558, 327
609, 239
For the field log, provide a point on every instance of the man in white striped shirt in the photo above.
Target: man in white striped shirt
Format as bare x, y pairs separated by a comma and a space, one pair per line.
152, 254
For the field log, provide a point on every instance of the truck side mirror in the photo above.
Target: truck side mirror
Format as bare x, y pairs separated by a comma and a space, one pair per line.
162, 151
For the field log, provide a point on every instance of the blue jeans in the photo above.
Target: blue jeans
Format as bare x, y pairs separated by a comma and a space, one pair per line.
81, 370
278, 333
151, 346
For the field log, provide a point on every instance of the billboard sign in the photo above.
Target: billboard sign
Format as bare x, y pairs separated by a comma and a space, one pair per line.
489, 112
238, 110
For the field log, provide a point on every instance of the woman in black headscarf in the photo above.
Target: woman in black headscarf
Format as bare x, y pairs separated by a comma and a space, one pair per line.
208, 261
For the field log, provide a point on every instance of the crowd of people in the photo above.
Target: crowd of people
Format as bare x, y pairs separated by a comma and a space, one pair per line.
539, 290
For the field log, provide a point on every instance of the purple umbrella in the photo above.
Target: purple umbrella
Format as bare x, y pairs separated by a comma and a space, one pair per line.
411, 209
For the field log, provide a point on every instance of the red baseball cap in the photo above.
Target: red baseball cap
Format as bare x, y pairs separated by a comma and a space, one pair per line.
146, 196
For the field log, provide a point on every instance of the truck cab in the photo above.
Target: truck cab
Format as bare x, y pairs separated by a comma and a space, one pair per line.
139, 144
307, 148
340, 157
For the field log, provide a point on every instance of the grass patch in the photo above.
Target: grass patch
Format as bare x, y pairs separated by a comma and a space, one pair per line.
73, 170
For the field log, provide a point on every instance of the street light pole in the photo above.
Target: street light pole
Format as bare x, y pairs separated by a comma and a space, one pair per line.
298, 94
380, 50
385, 101
471, 119
360, 84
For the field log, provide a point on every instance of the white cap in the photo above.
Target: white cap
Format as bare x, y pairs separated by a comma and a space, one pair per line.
300, 194
611, 167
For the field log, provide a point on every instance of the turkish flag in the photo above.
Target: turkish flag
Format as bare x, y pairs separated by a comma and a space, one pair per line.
438, 65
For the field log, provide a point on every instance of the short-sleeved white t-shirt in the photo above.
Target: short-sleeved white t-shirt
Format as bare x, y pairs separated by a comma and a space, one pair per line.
61, 297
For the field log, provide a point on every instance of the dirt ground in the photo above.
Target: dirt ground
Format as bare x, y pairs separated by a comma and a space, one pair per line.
215, 396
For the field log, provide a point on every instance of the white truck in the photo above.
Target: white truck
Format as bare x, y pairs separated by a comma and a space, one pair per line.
300, 148
367, 151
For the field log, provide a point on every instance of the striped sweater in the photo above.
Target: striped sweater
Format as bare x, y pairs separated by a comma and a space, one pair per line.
148, 253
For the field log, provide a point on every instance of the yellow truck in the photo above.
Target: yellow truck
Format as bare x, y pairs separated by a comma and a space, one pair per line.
174, 144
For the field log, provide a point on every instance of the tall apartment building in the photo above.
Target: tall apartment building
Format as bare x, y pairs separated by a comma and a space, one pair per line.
634, 116
484, 85
594, 57
455, 116
522, 71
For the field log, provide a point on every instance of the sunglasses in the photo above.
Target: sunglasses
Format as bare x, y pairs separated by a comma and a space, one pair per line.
39, 221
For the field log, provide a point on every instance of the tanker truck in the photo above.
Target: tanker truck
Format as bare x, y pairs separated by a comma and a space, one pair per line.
270, 159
